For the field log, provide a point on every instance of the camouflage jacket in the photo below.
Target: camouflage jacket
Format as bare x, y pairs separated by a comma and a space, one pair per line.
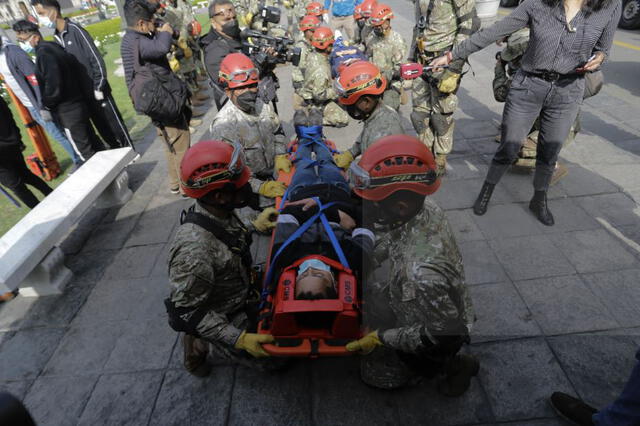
179, 17
505, 68
387, 53
425, 287
384, 121
318, 85
201, 265
260, 134
297, 75
449, 23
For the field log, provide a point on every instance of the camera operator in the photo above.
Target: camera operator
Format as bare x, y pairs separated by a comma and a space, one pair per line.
144, 56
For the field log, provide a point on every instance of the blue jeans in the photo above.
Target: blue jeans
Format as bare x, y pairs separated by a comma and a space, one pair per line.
322, 170
57, 133
625, 410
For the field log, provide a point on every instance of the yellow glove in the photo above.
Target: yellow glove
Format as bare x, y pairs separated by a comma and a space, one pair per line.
244, 21
272, 189
182, 43
174, 64
343, 160
366, 344
448, 81
252, 343
283, 163
266, 220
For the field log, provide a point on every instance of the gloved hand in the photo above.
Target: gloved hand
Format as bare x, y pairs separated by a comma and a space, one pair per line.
174, 64
46, 115
272, 189
98, 95
283, 163
182, 43
366, 344
244, 21
448, 81
252, 343
343, 160
266, 220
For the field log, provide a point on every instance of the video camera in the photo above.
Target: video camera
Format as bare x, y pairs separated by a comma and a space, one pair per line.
260, 42
157, 22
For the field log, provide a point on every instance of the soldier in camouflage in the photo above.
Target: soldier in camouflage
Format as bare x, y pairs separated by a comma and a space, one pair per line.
419, 306
386, 49
252, 123
361, 86
440, 24
212, 293
362, 15
307, 26
295, 12
317, 90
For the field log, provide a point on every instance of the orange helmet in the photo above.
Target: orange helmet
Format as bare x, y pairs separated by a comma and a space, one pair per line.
394, 163
366, 7
379, 14
322, 38
357, 79
357, 12
237, 70
314, 8
194, 28
309, 22
211, 165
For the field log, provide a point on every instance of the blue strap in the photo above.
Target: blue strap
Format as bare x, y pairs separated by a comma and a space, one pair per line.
332, 237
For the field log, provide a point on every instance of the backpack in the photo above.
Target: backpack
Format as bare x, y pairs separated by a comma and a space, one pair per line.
161, 98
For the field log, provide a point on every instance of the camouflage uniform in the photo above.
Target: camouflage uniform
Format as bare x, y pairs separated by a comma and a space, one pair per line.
387, 53
294, 14
422, 295
297, 75
383, 121
450, 22
317, 90
260, 134
178, 18
200, 265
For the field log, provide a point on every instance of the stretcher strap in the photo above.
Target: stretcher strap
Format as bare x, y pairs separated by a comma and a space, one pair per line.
332, 237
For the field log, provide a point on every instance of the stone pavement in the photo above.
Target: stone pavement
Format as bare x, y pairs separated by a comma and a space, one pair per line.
558, 308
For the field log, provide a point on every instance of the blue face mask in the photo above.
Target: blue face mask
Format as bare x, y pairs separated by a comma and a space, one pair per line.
26, 46
315, 264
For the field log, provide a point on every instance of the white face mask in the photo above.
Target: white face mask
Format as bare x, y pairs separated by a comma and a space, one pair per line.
45, 21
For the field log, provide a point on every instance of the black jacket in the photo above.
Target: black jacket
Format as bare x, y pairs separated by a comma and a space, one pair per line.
215, 47
9, 132
57, 73
23, 70
153, 52
77, 41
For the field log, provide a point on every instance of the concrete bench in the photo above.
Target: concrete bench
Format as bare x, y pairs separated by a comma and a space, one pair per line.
29, 257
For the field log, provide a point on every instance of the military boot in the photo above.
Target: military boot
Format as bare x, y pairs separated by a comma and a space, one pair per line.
458, 375
195, 356
560, 172
441, 164
480, 206
538, 205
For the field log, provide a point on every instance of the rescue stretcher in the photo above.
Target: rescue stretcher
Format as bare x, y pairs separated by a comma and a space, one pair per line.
280, 313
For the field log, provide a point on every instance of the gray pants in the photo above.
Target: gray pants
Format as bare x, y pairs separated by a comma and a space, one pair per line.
557, 103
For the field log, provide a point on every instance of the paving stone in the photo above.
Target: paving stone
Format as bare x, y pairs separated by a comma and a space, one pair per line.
594, 251
462, 193
188, 400
617, 209
59, 400
480, 263
142, 346
627, 176
281, 398
518, 183
25, 353
594, 151
17, 389
608, 129
598, 366
155, 226
563, 305
161, 268
530, 257
85, 350
520, 223
537, 422
464, 228
466, 168
568, 216
122, 399
89, 267
471, 128
110, 235
14, 312
501, 313
580, 181
516, 371
619, 292
134, 262
485, 145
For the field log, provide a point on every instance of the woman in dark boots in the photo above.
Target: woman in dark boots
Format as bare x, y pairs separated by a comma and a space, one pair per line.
568, 39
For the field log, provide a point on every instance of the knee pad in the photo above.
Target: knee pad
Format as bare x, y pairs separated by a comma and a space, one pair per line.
420, 121
441, 123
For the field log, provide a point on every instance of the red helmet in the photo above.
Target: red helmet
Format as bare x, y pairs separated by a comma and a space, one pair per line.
322, 38
394, 163
366, 7
314, 8
309, 22
194, 28
210, 165
379, 14
357, 79
237, 70
357, 12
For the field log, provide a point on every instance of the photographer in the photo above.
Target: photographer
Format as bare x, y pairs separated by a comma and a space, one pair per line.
144, 57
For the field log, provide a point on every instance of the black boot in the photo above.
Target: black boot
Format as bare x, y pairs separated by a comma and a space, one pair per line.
572, 409
458, 375
480, 206
538, 206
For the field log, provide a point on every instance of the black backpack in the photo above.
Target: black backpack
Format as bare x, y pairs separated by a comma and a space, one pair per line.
161, 98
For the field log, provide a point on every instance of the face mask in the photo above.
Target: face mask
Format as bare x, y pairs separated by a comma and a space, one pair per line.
379, 31
356, 113
231, 29
45, 21
315, 264
247, 101
26, 46
360, 23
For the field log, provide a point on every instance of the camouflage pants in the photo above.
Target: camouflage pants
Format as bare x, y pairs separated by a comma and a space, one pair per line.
334, 116
432, 116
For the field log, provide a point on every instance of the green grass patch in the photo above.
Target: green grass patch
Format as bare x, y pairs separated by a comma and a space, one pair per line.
104, 29
81, 12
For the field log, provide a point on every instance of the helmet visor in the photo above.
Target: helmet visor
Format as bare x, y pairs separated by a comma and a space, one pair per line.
361, 179
345, 93
234, 170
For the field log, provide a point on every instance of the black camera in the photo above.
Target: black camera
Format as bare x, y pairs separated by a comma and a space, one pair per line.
270, 14
257, 43
159, 22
